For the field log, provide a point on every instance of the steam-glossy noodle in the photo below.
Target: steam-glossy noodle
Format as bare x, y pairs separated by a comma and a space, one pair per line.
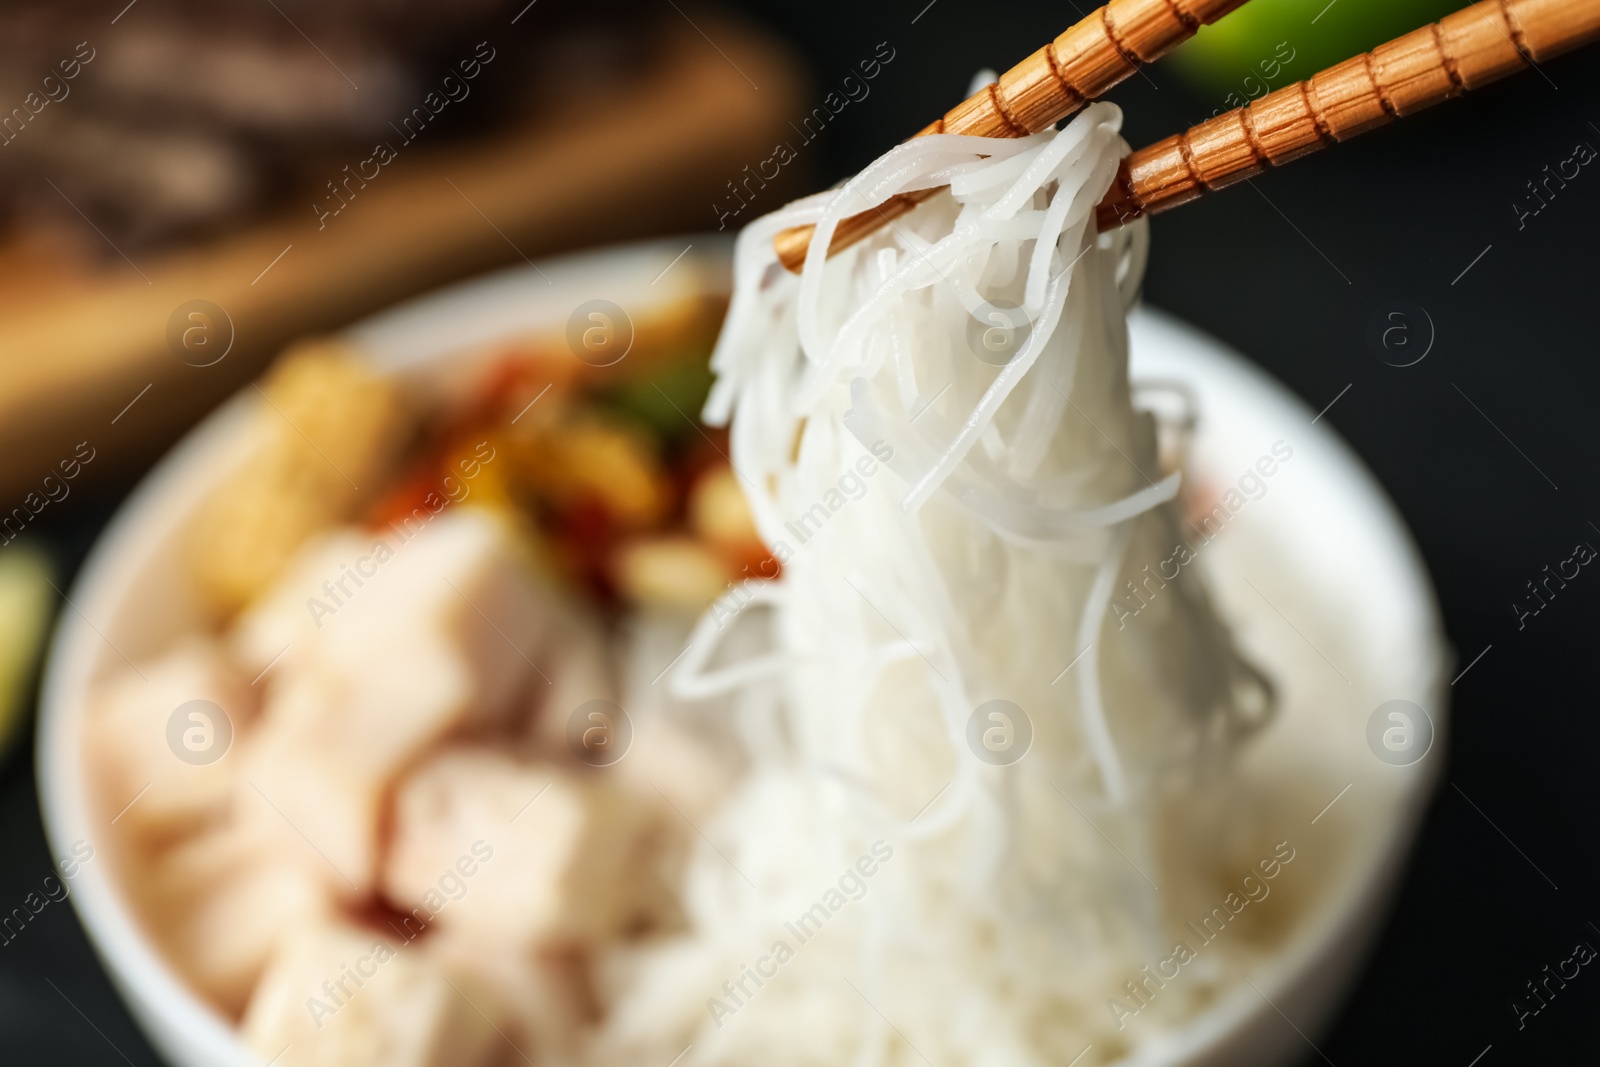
953, 525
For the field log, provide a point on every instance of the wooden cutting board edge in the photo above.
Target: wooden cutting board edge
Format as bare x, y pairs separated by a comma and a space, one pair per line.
648, 158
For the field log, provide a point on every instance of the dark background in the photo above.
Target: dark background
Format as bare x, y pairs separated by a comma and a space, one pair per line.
1293, 283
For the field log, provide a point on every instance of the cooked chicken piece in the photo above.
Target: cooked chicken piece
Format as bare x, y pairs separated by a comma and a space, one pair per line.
666, 763
274, 630
327, 425
334, 995
580, 671
464, 582
442, 635
564, 850
461, 576
218, 904
312, 786
545, 997
161, 768
676, 972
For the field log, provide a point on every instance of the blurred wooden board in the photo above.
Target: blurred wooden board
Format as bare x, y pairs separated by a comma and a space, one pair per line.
78, 345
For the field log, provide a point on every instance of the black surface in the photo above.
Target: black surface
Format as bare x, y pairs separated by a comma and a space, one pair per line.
1292, 282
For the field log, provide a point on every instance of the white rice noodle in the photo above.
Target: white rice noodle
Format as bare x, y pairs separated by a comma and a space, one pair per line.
952, 532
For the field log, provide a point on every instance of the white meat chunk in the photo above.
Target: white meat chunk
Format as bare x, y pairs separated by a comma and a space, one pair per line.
666, 761
442, 639
557, 851
278, 628
334, 995
217, 907
159, 779
462, 580
545, 997
580, 671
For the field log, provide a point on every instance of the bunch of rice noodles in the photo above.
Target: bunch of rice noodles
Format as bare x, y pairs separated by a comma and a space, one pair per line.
952, 527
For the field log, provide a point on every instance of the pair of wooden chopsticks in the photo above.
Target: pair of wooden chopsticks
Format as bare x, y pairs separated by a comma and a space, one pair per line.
1459, 52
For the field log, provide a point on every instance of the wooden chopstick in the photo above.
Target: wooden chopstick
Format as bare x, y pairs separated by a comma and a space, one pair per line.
1097, 53
1470, 48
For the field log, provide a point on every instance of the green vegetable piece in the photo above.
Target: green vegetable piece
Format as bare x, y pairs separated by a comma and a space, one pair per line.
27, 602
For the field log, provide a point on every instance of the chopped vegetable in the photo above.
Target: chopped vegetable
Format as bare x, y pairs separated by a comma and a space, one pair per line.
327, 426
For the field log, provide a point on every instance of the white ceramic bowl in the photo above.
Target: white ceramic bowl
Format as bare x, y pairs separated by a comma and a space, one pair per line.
1323, 547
